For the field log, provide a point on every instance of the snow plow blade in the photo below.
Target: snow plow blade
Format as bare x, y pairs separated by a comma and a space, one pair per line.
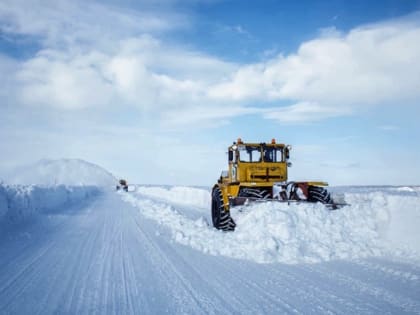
240, 201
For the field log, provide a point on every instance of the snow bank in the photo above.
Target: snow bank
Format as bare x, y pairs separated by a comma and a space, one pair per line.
69, 172
18, 203
397, 216
182, 195
380, 221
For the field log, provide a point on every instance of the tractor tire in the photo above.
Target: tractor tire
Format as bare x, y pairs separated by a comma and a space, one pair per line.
319, 194
254, 193
221, 218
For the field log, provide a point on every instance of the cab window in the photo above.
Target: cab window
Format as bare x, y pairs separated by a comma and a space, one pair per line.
249, 154
273, 154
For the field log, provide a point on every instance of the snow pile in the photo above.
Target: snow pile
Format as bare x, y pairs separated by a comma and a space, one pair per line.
397, 215
378, 223
182, 195
70, 172
18, 203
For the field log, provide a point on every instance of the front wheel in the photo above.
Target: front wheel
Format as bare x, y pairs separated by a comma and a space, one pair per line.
221, 218
319, 194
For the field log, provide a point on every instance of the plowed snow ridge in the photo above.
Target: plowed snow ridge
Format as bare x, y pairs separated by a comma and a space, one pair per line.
379, 222
19, 203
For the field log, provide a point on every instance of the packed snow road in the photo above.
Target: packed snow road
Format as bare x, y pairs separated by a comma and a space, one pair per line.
118, 254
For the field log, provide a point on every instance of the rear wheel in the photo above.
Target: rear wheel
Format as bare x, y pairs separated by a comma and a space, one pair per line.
221, 218
319, 194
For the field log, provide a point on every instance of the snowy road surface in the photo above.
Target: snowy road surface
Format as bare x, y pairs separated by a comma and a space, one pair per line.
109, 256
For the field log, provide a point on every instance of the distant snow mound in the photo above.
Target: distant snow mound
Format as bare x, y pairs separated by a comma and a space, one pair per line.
70, 172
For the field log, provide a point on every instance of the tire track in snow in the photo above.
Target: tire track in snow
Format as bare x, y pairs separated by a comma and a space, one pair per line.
384, 269
298, 291
261, 300
26, 251
64, 270
62, 279
127, 284
25, 277
27, 267
90, 284
107, 292
74, 258
125, 277
102, 286
162, 260
324, 292
133, 292
400, 303
82, 266
129, 275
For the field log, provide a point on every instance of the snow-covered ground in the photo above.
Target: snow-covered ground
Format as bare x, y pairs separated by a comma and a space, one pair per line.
153, 251
380, 221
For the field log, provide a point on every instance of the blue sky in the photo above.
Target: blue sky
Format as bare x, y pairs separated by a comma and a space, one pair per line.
155, 91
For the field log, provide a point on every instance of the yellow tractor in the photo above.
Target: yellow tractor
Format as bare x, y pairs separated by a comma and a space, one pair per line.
258, 172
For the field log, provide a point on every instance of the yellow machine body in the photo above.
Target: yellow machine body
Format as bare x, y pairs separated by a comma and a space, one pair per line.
258, 166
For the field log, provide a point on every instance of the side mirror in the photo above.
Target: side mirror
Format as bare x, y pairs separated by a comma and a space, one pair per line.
287, 153
230, 156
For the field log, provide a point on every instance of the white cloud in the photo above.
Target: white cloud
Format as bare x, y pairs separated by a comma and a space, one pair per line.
8, 68
208, 116
83, 64
140, 72
305, 112
120, 59
51, 79
368, 66
69, 22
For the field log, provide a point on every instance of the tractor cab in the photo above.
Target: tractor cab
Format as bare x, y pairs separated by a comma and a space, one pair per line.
257, 162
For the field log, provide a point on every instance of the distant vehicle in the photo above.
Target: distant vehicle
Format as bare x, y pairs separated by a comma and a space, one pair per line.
122, 184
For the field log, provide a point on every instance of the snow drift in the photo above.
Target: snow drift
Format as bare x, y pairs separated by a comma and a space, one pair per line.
18, 203
380, 221
50, 186
69, 172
